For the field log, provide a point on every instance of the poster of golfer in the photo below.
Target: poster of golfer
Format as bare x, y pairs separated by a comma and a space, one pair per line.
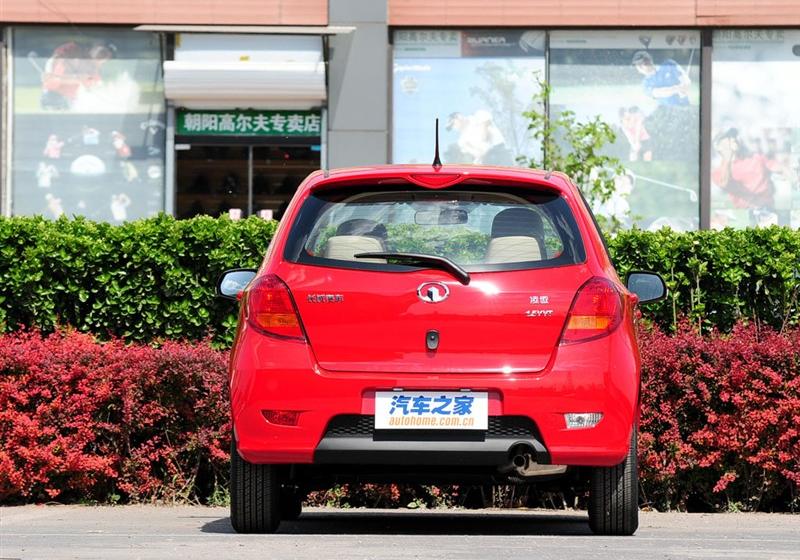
755, 159
478, 83
646, 85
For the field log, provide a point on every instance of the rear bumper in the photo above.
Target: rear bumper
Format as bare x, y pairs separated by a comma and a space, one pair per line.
351, 439
598, 376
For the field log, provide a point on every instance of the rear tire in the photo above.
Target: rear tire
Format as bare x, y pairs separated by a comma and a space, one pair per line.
255, 492
614, 496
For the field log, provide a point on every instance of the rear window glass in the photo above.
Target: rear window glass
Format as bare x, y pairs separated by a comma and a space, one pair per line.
479, 230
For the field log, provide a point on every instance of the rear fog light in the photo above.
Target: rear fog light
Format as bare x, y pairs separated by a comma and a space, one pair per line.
282, 417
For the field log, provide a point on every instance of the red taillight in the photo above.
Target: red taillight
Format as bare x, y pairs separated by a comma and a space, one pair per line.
595, 312
270, 308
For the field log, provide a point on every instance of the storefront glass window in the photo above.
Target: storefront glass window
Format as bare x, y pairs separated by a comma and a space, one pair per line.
88, 123
645, 84
755, 128
217, 179
243, 161
478, 83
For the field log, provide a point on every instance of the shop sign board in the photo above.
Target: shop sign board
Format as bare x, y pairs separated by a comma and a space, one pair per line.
248, 122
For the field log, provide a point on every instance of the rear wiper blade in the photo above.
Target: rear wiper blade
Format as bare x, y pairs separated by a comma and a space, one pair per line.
433, 261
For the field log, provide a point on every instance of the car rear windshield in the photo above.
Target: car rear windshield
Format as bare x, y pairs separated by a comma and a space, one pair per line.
480, 229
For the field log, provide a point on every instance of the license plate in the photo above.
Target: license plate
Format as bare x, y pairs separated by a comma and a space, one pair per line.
431, 410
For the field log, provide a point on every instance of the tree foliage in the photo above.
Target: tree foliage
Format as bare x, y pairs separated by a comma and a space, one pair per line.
575, 148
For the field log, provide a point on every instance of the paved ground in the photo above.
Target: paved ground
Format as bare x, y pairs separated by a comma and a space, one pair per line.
53, 532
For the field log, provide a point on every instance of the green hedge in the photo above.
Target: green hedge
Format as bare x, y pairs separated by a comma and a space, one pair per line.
717, 277
144, 280
154, 279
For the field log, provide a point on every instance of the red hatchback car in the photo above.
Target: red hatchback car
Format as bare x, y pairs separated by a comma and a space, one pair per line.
435, 324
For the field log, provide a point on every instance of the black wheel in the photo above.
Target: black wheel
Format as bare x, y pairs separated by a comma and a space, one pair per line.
614, 497
291, 504
255, 493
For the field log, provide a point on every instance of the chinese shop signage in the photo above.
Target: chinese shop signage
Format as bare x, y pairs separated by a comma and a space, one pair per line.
249, 123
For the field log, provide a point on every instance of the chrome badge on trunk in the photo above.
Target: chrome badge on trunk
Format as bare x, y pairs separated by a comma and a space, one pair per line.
433, 292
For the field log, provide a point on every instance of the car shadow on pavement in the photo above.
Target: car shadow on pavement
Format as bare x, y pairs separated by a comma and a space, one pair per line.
424, 523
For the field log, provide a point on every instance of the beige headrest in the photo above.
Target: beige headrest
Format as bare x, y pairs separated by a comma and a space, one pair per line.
514, 248
345, 247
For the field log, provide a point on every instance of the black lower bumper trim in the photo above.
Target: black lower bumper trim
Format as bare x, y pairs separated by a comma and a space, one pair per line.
351, 439
367, 451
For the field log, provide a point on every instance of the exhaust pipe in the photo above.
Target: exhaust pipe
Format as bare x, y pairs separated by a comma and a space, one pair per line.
523, 463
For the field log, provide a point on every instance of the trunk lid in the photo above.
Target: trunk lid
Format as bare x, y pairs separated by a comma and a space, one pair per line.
375, 321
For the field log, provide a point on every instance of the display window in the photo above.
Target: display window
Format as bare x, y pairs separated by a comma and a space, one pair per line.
87, 121
646, 85
240, 180
755, 132
478, 83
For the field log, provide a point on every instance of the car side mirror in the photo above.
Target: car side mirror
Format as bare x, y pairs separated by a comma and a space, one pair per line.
233, 282
648, 286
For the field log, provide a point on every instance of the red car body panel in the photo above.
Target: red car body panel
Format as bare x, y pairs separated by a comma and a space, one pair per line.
371, 340
385, 320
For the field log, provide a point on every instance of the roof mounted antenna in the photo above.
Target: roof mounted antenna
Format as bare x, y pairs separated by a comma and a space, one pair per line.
437, 163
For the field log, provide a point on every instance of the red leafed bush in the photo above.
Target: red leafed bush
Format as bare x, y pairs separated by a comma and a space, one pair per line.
83, 420
720, 426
